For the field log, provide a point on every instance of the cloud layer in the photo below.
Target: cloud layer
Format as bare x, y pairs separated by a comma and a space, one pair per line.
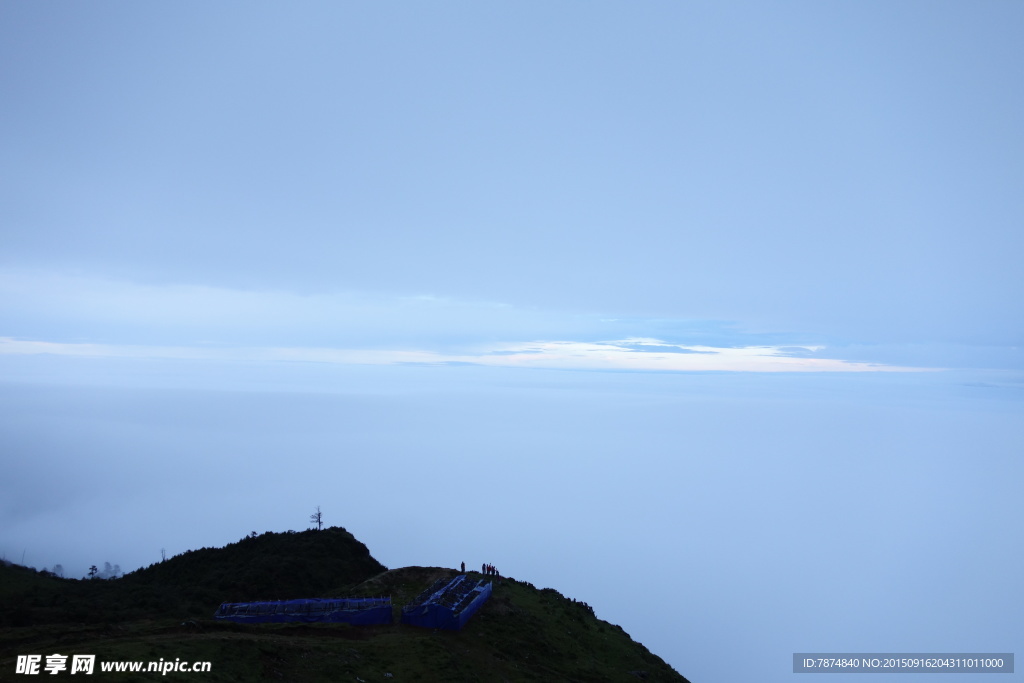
628, 354
50, 312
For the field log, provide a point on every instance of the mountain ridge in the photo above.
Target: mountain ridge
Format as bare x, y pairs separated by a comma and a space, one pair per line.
165, 611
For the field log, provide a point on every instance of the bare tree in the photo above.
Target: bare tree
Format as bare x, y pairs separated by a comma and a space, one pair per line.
317, 518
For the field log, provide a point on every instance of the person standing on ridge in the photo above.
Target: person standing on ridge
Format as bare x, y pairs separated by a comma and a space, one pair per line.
463, 567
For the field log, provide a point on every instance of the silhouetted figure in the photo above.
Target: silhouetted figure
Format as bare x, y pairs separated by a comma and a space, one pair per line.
463, 567
483, 568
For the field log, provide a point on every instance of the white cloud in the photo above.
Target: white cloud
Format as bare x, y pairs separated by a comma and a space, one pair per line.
45, 312
598, 356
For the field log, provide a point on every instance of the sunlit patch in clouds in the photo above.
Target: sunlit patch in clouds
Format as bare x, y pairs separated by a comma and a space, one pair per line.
655, 355
629, 355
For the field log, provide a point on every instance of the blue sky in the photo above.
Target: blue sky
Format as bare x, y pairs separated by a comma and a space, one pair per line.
720, 288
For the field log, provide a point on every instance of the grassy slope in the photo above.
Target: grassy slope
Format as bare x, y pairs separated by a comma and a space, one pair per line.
269, 566
521, 633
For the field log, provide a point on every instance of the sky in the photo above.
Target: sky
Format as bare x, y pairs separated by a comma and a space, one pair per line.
707, 314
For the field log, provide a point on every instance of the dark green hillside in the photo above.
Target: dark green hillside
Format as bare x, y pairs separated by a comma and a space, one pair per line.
191, 585
269, 567
165, 612
522, 633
